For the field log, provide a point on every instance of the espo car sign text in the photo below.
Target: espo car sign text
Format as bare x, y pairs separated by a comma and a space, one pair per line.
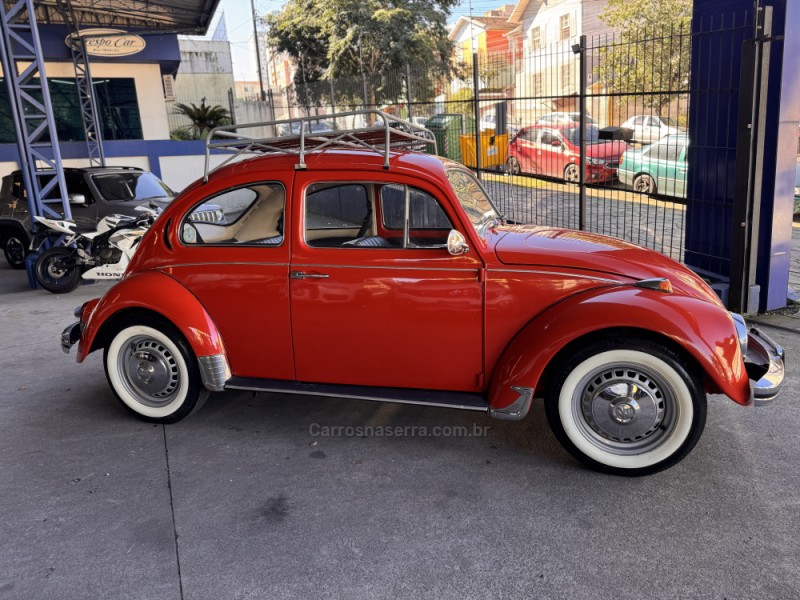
109, 42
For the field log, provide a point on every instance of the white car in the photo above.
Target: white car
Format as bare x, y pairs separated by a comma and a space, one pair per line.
489, 121
650, 128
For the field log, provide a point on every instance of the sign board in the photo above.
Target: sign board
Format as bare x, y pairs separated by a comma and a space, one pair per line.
109, 42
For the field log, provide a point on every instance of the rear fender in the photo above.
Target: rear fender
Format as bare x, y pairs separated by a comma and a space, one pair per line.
705, 331
134, 294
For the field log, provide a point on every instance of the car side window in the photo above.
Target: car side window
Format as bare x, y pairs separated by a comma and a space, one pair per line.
428, 224
638, 121
529, 135
248, 215
666, 150
336, 213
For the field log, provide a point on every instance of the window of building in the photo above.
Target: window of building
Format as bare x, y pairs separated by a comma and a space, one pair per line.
536, 38
566, 78
565, 31
538, 88
116, 103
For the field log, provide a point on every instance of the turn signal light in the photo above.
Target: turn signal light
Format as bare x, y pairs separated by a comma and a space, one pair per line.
660, 284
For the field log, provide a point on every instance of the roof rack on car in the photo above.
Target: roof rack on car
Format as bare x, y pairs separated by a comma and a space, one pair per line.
388, 133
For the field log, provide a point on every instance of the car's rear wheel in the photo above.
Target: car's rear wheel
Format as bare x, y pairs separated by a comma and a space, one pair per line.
627, 407
513, 165
153, 372
644, 184
15, 249
572, 173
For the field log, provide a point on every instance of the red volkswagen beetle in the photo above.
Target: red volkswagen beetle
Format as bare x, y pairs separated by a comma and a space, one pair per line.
554, 151
389, 275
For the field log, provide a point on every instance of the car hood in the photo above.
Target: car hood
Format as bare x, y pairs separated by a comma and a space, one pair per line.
551, 247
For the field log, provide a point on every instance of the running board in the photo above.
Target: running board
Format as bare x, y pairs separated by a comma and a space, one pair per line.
458, 400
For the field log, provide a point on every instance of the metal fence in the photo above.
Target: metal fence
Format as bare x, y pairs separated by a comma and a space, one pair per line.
535, 129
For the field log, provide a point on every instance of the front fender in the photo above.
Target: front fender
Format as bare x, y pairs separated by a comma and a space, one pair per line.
704, 330
175, 303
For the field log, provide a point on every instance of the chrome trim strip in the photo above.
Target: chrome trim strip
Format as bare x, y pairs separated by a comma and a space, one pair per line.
214, 371
518, 409
560, 273
741, 331
206, 264
247, 388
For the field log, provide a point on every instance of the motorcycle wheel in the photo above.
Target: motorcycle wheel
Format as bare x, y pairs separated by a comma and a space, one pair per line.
56, 270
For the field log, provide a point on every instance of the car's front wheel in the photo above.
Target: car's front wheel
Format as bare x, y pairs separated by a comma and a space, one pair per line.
627, 407
153, 372
512, 164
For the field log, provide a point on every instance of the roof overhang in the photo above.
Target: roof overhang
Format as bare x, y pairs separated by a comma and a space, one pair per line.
161, 16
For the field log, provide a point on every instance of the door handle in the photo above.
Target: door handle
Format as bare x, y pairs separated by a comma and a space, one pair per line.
303, 275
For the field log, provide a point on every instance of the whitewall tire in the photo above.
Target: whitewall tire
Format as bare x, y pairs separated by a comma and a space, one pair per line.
153, 372
630, 408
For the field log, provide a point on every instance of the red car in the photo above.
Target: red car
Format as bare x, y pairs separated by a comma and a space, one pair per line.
554, 151
389, 275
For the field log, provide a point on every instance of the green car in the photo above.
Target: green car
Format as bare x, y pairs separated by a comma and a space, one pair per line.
659, 168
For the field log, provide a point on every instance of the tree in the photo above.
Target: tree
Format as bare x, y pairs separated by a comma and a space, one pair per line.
652, 52
348, 38
203, 117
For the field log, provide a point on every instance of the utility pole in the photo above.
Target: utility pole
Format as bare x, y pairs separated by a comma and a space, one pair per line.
258, 50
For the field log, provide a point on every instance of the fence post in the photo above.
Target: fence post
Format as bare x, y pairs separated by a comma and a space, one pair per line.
333, 104
408, 90
364, 88
231, 106
582, 78
475, 81
749, 173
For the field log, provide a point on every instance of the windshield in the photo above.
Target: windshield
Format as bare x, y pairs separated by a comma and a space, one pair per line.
131, 185
476, 203
574, 135
669, 121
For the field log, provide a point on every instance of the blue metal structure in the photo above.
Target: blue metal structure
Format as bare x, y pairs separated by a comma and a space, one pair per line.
32, 111
743, 122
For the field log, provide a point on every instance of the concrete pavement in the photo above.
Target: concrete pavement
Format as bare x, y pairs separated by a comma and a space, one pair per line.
241, 501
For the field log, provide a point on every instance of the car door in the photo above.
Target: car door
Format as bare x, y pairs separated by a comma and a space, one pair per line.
238, 268
385, 307
549, 154
680, 171
664, 165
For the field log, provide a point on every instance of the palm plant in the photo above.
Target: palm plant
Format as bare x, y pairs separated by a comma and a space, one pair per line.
203, 117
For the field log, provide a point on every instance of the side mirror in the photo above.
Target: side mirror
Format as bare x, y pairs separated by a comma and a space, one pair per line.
555, 144
77, 199
456, 244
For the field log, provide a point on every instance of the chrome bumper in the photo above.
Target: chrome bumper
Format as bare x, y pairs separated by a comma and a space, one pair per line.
70, 336
764, 363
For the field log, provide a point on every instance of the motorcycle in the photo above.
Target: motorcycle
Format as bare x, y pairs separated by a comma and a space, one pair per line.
100, 254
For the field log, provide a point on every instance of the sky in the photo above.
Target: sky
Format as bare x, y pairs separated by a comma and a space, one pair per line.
239, 22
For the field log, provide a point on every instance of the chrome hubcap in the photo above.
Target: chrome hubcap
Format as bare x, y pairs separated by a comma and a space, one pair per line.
624, 408
150, 371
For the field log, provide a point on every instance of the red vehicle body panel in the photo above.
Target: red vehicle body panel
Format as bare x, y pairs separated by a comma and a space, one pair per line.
484, 321
551, 161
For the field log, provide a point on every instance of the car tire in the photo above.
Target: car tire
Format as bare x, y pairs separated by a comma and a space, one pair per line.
153, 372
15, 249
644, 184
512, 164
626, 407
572, 173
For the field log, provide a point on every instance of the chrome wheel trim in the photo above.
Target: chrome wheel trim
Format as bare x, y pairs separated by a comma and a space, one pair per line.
624, 408
149, 371
513, 166
650, 450
157, 393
